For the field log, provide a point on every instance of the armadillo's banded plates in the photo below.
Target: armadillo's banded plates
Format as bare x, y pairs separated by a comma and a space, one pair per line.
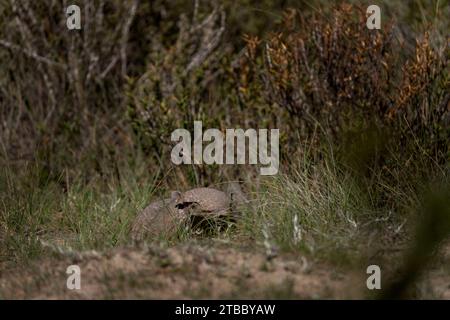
205, 201
158, 218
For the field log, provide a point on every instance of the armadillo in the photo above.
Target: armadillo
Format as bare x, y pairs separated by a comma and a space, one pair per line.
164, 217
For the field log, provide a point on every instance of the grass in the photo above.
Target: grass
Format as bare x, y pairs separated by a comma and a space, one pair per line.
317, 208
93, 216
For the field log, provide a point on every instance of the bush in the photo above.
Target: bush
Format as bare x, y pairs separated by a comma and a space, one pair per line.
329, 69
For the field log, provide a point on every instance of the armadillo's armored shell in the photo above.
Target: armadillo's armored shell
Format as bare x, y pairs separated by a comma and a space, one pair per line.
207, 200
159, 218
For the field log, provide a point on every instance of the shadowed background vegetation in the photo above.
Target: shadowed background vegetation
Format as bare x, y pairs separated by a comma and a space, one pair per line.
364, 118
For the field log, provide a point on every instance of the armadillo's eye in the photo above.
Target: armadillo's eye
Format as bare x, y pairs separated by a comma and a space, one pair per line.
183, 205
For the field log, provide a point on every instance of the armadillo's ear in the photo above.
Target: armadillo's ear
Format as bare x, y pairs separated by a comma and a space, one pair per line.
175, 195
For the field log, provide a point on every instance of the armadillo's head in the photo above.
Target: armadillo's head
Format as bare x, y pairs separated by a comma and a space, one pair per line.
183, 205
175, 198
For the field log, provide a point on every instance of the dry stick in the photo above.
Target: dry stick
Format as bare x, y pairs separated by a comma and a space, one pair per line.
99, 15
28, 12
27, 36
195, 17
108, 68
201, 56
87, 42
110, 52
32, 54
125, 33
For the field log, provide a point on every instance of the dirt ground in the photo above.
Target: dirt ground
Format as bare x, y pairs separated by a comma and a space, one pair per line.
187, 271
215, 270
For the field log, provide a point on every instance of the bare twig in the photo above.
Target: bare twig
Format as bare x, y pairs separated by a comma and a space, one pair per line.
125, 34
208, 46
